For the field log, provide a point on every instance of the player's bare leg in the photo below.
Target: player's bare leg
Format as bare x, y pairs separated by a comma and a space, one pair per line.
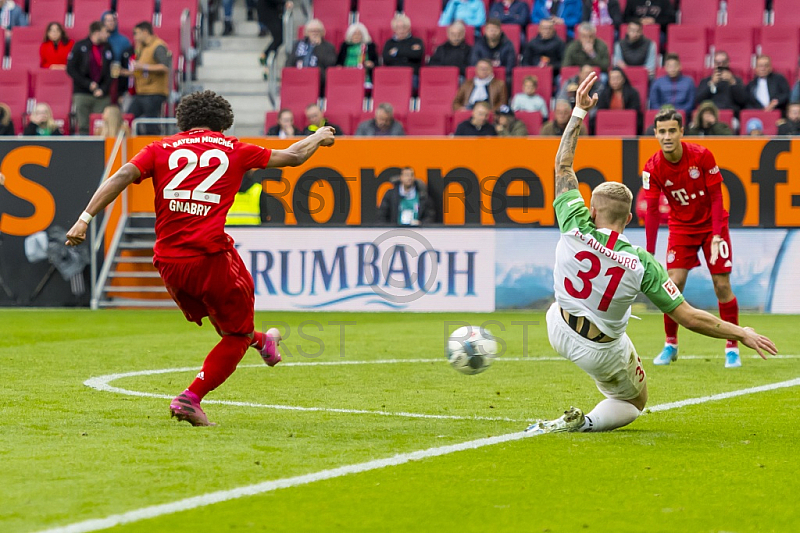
670, 351
728, 311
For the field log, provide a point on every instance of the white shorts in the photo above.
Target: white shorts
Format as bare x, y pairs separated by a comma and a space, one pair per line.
614, 366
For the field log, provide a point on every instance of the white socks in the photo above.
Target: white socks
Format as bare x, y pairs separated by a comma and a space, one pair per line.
610, 414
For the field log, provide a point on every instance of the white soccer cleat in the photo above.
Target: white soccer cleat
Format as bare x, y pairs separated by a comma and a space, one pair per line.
571, 421
732, 358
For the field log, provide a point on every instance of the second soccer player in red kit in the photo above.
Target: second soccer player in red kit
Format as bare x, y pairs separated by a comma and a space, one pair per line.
689, 177
196, 175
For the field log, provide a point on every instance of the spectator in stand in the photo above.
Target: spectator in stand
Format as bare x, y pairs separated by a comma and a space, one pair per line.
285, 127
11, 15
528, 100
620, 94
6, 122
570, 86
484, 87
407, 203
150, 71
546, 49
403, 49
89, 66
674, 88
602, 12
659, 12
313, 51
496, 47
41, 122
55, 49
510, 12
478, 125
754, 127
587, 49
470, 12
706, 122
567, 13
455, 52
384, 124
507, 125
358, 51
768, 90
561, 115
790, 126
316, 119
635, 50
270, 19
722, 87
113, 123
120, 44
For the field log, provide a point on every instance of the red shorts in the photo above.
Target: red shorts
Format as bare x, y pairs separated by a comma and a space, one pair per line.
217, 286
682, 251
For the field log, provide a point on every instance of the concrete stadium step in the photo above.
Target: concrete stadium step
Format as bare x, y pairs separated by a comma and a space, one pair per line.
140, 231
132, 302
137, 245
133, 259
122, 274
137, 288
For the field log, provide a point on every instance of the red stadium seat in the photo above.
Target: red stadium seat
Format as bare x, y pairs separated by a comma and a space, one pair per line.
42, 12
377, 15
639, 79
738, 42
784, 12
344, 89
84, 12
745, 13
132, 12
335, 15
606, 34
615, 122
437, 88
781, 44
544, 75
651, 31
96, 121
691, 45
700, 12
2, 48
768, 118
424, 15
299, 89
532, 120
171, 35
514, 34
15, 84
170, 12
24, 47
343, 119
423, 123
533, 31
49, 87
392, 85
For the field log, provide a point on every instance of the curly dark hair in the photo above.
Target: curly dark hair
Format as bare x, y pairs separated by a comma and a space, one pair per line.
204, 109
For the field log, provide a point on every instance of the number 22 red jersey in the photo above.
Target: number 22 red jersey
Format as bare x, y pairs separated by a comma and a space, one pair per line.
685, 185
196, 175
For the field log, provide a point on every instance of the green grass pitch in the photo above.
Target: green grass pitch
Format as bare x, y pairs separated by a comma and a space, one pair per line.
70, 453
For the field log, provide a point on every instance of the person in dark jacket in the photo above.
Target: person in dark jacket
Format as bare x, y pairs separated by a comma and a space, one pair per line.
546, 49
89, 66
403, 49
41, 122
768, 90
660, 12
313, 51
285, 127
478, 125
620, 94
496, 47
455, 52
315, 119
602, 12
790, 126
510, 12
358, 51
722, 87
6, 122
407, 203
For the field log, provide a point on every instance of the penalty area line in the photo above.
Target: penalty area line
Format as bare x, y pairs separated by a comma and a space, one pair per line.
211, 498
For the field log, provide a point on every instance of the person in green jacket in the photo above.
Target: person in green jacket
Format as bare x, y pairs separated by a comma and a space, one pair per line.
587, 49
706, 121
507, 125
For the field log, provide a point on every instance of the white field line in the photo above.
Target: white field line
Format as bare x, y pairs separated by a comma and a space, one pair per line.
268, 486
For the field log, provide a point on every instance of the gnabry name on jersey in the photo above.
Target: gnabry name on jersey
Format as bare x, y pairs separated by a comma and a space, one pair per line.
204, 139
629, 262
189, 207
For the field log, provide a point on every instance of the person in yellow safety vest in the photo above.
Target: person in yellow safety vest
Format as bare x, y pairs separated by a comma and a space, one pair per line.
246, 208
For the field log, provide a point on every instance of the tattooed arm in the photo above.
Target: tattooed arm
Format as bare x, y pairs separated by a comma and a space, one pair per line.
565, 175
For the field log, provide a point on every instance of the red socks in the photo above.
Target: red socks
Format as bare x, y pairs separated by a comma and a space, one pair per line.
671, 329
259, 339
729, 311
220, 364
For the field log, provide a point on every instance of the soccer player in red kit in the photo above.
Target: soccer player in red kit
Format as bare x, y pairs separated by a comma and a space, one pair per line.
689, 177
196, 175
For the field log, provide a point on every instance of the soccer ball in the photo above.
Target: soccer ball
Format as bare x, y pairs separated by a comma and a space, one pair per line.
471, 349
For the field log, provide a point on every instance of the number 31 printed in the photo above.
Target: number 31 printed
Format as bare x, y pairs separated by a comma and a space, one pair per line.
615, 273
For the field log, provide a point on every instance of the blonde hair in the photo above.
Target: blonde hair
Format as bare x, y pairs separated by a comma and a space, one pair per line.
612, 201
357, 27
6, 114
114, 124
50, 123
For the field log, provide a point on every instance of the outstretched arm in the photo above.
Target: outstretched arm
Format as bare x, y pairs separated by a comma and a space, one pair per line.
302, 150
565, 175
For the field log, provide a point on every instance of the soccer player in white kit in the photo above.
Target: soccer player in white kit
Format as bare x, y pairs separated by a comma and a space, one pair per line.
598, 274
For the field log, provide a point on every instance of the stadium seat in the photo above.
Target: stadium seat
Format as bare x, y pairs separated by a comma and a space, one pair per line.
392, 85
606, 34
782, 45
745, 13
784, 12
543, 74
439, 36
84, 12
299, 89
615, 122
424, 16
651, 31
691, 45
437, 88
700, 12
377, 15
15, 84
96, 121
171, 35
738, 42
499, 73
24, 47
335, 15
344, 89
532, 120
768, 118
2, 48
132, 12
342, 118
514, 34
639, 79
49, 87
423, 123
42, 12
650, 115
170, 12
533, 30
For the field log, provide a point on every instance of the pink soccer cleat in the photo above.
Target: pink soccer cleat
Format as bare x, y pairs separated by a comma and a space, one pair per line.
186, 406
269, 353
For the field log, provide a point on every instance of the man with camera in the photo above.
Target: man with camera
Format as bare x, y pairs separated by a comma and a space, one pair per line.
722, 87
